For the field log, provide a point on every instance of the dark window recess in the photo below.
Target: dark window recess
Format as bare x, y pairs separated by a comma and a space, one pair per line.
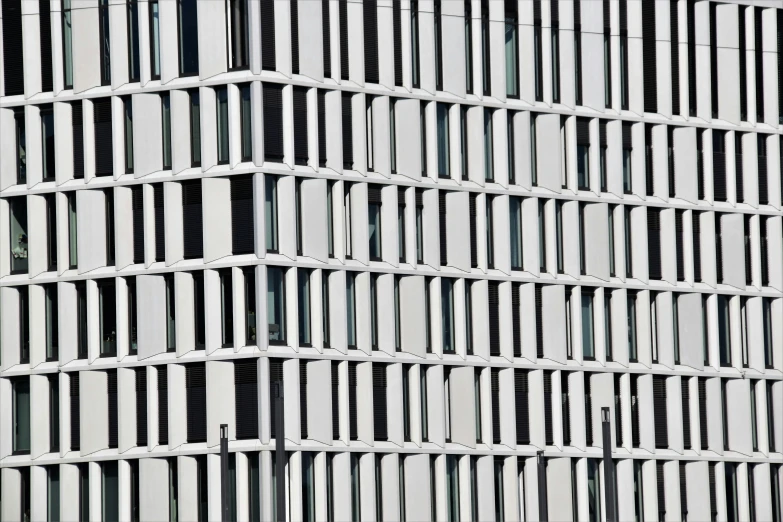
343, 12
516, 320
336, 400
548, 431
649, 56
718, 247
713, 492
674, 28
494, 317
163, 404
246, 398
764, 251
780, 64
275, 376
45, 25
196, 400
683, 491
696, 224
635, 438
522, 408
473, 238
671, 165
494, 375
759, 46
539, 324
268, 61
714, 59
654, 242
347, 113
397, 29
300, 126
380, 418
661, 490
748, 267
678, 231
273, 121
618, 411
565, 394
78, 139
13, 55
659, 403
703, 413
353, 419
649, 174
104, 162
294, 36
75, 417
691, 15
700, 162
141, 406
242, 221
321, 127
327, 38
442, 226
743, 78
192, 219
370, 41
762, 166
160, 225
137, 213
111, 392
303, 431
686, 412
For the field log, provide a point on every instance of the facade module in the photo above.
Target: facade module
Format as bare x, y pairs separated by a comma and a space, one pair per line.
455, 230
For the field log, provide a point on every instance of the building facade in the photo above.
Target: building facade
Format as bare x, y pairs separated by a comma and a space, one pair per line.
455, 230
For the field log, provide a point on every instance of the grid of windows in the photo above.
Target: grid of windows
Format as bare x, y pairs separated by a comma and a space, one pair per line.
459, 252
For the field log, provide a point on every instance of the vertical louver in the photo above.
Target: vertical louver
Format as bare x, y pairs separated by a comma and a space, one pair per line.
335, 400
78, 139
686, 412
111, 392
654, 242
303, 431
327, 38
679, 240
75, 411
343, 11
273, 121
321, 127
494, 317
473, 238
370, 41
275, 377
649, 56
494, 375
522, 409
588, 409
442, 226
160, 226
300, 126
137, 210
246, 398
674, 27
539, 323
548, 431
515, 320
104, 163
45, 26
397, 27
192, 219
163, 404
242, 219
347, 114
141, 406
379, 401
294, 36
268, 60
13, 55
703, 413
353, 415
659, 403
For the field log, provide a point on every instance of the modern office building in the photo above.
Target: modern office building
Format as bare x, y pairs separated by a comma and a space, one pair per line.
455, 230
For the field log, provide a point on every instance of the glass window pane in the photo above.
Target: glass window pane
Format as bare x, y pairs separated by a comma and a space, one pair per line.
443, 139
110, 498
303, 296
275, 304
374, 215
166, 107
188, 37
246, 118
21, 414
18, 232
47, 138
512, 76
447, 313
67, 44
222, 124
587, 326
195, 128
155, 39
270, 212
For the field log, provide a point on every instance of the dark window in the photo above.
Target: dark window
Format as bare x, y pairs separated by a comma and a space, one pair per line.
273, 122
743, 78
242, 218
163, 404
160, 226
548, 430
397, 30
268, 56
661, 422
379, 401
327, 37
347, 122
303, 431
691, 8
107, 304
714, 58
104, 162
195, 127
494, 317
238, 38
81, 313
352, 398
196, 399
75, 422
192, 219
13, 55
759, 57
275, 378
521, 402
111, 389
371, 40
137, 213
78, 139
104, 42
301, 155
343, 15
141, 405
187, 25
654, 243
133, 40
494, 386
